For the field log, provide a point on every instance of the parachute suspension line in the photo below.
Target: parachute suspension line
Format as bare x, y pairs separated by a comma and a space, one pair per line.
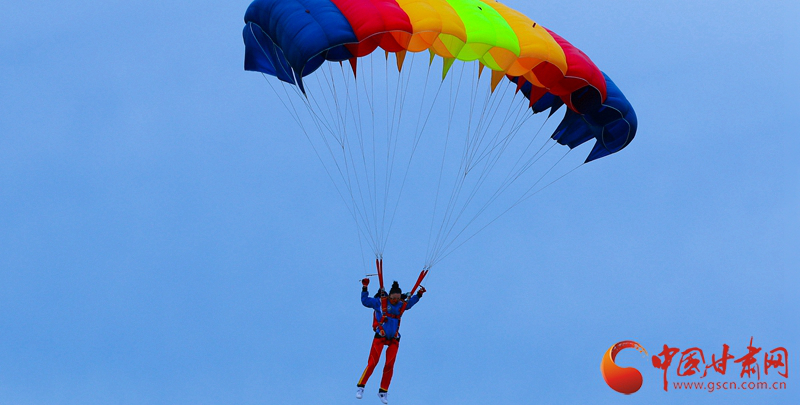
485, 132
347, 152
447, 221
476, 138
374, 190
325, 119
491, 163
357, 118
483, 176
430, 250
486, 205
349, 148
513, 178
322, 122
519, 201
441, 169
481, 133
528, 193
444, 154
479, 136
417, 133
391, 143
468, 138
461, 173
521, 156
486, 125
361, 249
358, 213
457, 187
439, 180
342, 117
374, 149
336, 118
515, 128
512, 175
393, 138
294, 113
445, 250
388, 137
358, 122
414, 144
479, 150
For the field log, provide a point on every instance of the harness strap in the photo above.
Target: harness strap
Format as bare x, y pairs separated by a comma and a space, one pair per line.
379, 266
386, 314
384, 308
402, 309
384, 300
422, 275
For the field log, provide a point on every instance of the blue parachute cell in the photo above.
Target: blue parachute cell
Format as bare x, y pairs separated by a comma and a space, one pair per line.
612, 123
308, 32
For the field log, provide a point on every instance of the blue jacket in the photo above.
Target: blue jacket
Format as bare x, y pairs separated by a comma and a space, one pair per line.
391, 324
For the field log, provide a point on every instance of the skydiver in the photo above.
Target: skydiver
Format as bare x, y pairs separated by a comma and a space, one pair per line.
386, 324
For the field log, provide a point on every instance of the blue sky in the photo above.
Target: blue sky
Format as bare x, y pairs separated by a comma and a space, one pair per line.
167, 236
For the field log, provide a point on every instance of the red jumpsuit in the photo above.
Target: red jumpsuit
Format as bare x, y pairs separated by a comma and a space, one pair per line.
375, 355
384, 326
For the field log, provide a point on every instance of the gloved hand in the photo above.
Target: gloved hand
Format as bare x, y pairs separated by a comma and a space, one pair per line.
421, 291
365, 281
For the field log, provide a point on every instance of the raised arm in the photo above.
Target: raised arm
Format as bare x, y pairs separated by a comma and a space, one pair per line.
415, 299
366, 300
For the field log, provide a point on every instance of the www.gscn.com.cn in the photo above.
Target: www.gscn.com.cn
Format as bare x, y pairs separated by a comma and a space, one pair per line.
722, 386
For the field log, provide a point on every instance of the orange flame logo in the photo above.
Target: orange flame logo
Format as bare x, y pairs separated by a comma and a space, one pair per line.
626, 380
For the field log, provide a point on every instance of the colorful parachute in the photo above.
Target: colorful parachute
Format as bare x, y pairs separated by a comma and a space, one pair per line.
293, 39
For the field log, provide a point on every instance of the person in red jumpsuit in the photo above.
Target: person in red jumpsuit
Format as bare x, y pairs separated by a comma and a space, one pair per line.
386, 324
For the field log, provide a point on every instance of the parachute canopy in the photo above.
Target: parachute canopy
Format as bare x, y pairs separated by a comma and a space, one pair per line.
291, 39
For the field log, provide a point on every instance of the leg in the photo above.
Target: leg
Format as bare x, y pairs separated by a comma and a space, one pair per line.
388, 368
374, 356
